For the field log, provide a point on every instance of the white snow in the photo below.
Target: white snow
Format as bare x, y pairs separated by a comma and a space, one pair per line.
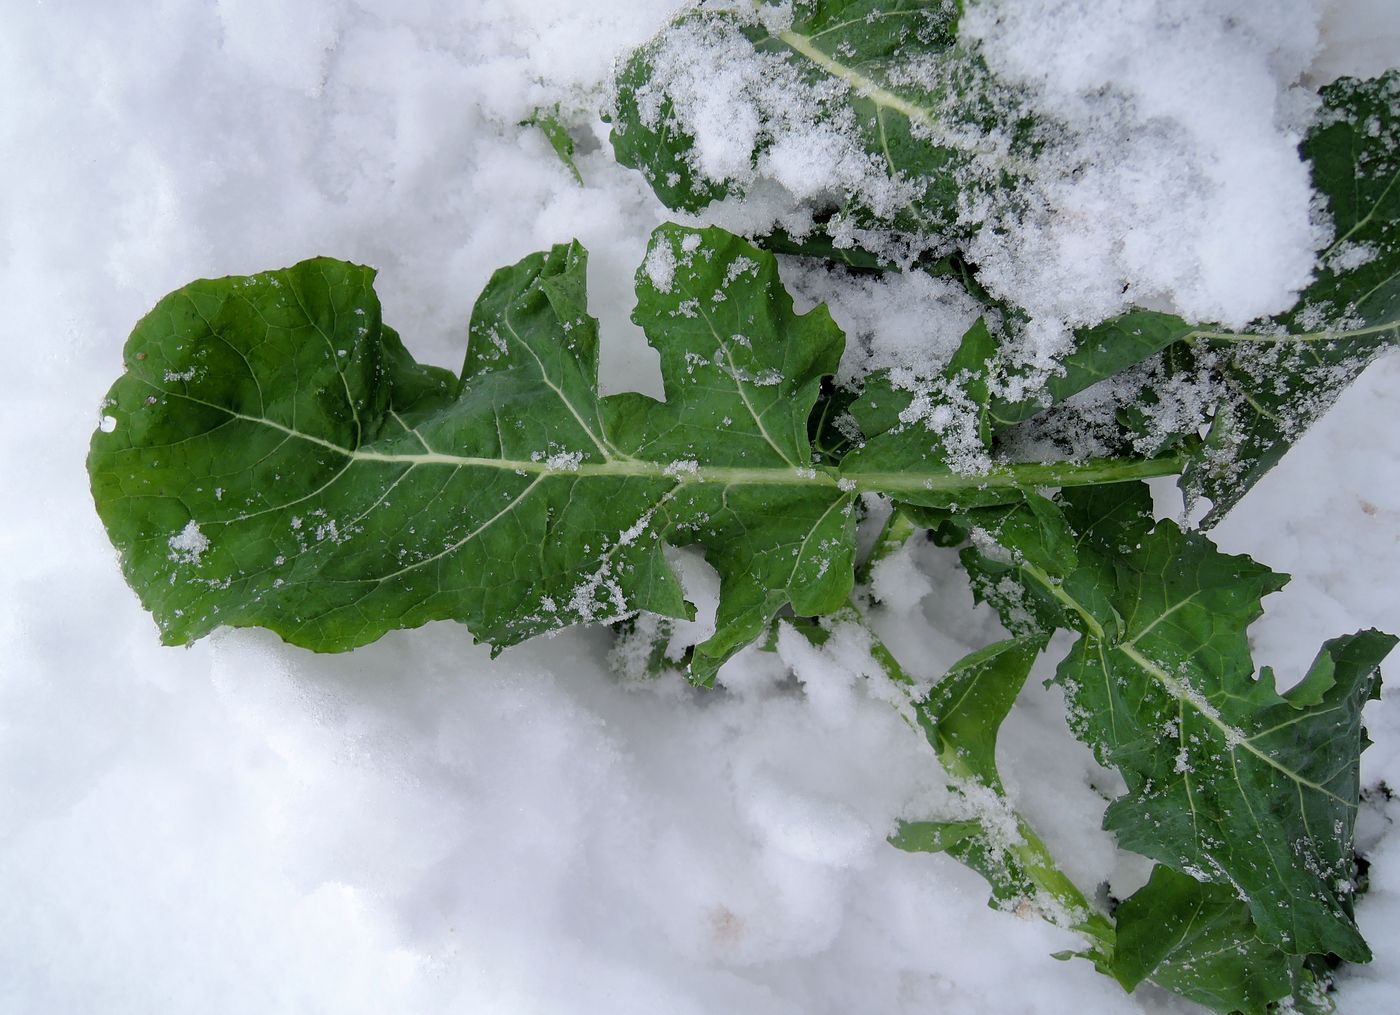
188, 545
661, 264
909, 321
1180, 180
898, 582
414, 827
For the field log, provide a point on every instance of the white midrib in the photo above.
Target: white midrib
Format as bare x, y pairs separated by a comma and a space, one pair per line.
1307, 336
866, 87
817, 476
618, 467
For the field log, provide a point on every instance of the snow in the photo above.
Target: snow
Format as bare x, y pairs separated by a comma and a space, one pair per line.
897, 581
661, 264
907, 321
415, 827
188, 545
1179, 178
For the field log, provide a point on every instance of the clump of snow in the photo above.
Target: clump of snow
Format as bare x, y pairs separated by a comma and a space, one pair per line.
1349, 255
188, 545
564, 461
1177, 178
911, 321
897, 581
661, 264
682, 468
829, 672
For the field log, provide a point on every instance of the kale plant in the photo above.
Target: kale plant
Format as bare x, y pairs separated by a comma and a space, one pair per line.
273, 456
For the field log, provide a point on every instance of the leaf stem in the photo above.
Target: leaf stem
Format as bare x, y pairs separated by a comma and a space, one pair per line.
1391, 327
1092, 472
1031, 854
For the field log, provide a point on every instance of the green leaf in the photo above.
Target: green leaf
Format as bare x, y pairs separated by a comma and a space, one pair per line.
960, 717
963, 712
1197, 940
1283, 374
1099, 353
884, 80
557, 134
936, 837
941, 424
1228, 780
278, 459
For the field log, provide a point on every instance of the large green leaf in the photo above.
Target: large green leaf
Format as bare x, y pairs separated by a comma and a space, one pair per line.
1228, 780
274, 457
1197, 940
879, 89
278, 459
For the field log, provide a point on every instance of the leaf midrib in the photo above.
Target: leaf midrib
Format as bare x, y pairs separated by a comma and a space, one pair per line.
882, 98
1232, 736
1012, 477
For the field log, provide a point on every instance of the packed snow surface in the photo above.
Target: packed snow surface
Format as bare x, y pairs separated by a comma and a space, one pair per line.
245, 827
